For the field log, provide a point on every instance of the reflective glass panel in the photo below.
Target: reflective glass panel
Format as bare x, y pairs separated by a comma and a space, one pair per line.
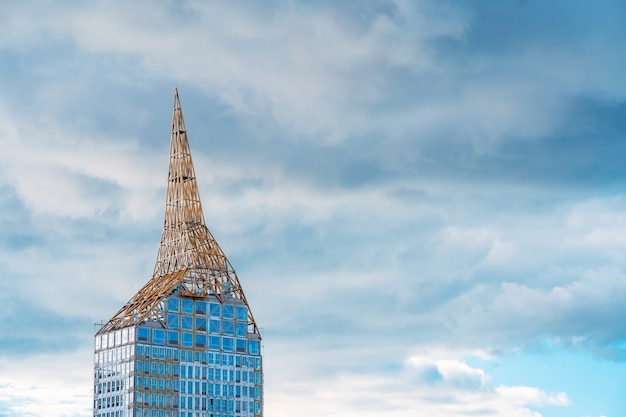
186, 322
187, 306
241, 345
242, 313
200, 340
201, 324
253, 347
158, 336
227, 344
228, 312
172, 337
214, 326
143, 334
200, 307
214, 342
172, 321
228, 328
186, 339
241, 329
214, 309
172, 304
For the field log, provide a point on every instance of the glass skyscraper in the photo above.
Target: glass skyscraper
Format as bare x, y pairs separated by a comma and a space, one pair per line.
186, 344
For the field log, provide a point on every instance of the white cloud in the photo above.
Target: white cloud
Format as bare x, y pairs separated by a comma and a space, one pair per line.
426, 386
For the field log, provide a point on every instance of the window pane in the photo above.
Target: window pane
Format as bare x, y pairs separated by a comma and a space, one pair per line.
242, 313
241, 345
172, 304
172, 321
158, 336
227, 344
172, 337
228, 328
214, 326
186, 339
201, 324
186, 322
187, 306
200, 340
214, 342
253, 345
227, 312
214, 309
200, 307
241, 329
143, 334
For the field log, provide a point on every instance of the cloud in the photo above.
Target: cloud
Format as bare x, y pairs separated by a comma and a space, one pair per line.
425, 385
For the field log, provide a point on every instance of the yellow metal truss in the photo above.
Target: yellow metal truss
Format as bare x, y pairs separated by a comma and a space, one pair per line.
189, 258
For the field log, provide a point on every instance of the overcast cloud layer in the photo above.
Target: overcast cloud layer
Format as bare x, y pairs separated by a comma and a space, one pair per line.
425, 200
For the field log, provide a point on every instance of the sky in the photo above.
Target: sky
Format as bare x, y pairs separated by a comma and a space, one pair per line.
425, 201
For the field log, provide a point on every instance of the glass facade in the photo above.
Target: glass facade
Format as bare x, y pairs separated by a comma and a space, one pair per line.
201, 360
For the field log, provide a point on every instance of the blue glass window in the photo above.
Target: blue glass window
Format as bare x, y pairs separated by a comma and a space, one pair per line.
143, 334
187, 307
172, 337
228, 328
242, 313
139, 350
186, 322
200, 307
227, 344
214, 326
228, 312
201, 324
241, 329
158, 336
172, 304
214, 309
214, 342
200, 340
139, 366
186, 339
172, 321
241, 345
253, 347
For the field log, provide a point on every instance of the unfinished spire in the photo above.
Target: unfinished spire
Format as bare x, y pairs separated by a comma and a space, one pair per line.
189, 258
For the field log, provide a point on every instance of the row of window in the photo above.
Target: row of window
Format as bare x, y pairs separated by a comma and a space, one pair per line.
115, 339
199, 340
199, 307
209, 373
109, 402
212, 358
199, 324
229, 406
109, 386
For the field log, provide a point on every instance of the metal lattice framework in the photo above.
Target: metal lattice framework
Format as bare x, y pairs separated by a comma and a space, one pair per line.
189, 258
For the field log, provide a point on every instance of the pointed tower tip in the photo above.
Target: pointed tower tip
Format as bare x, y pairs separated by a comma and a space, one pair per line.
176, 98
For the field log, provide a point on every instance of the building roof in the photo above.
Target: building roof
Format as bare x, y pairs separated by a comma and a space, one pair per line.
189, 258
